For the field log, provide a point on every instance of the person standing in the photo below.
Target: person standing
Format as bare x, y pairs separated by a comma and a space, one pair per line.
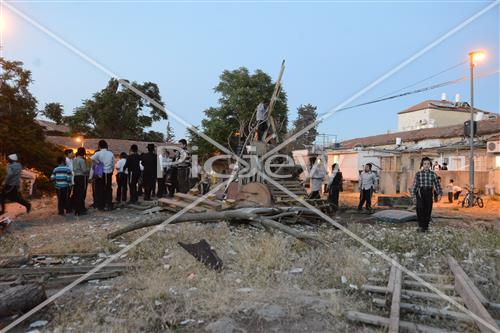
167, 174
316, 176
182, 166
132, 166
436, 166
12, 183
424, 185
161, 173
121, 178
445, 166
103, 185
149, 162
80, 176
335, 187
69, 156
62, 178
367, 184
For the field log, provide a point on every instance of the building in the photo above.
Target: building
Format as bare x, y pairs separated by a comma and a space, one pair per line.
51, 128
396, 156
442, 113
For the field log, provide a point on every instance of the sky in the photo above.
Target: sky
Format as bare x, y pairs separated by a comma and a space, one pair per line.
332, 49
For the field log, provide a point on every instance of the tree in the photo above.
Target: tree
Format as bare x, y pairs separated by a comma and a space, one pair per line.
54, 111
170, 137
118, 113
153, 136
306, 115
240, 93
19, 132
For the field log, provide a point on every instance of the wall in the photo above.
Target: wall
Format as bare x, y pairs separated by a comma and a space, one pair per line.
409, 121
448, 118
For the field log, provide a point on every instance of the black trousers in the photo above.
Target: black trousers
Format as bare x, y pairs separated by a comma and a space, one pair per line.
104, 191
62, 199
450, 197
314, 195
161, 187
121, 190
79, 193
12, 194
183, 179
333, 197
424, 207
133, 183
169, 183
365, 196
261, 130
149, 185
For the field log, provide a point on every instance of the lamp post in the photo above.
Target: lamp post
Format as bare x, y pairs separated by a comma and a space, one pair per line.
473, 56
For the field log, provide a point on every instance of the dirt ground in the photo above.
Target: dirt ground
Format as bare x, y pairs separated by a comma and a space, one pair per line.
269, 283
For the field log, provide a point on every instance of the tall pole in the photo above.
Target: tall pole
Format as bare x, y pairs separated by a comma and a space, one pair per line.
471, 157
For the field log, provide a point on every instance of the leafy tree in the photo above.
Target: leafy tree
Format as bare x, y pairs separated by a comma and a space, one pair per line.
240, 93
170, 137
19, 132
54, 111
118, 113
306, 115
153, 136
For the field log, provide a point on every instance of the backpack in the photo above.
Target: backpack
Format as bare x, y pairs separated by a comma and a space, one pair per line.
98, 169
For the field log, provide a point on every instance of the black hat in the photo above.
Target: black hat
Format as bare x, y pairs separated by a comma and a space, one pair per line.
151, 146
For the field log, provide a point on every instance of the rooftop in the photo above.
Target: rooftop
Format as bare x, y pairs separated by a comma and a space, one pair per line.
50, 126
484, 127
441, 105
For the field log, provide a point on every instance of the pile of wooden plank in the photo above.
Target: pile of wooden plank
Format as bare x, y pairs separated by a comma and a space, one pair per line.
399, 291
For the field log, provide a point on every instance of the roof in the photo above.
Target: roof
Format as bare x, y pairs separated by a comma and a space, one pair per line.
50, 126
441, 105
115, 145
484, 127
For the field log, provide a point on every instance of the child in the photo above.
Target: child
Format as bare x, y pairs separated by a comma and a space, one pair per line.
121, 178
423, 186
449, 189
62, 178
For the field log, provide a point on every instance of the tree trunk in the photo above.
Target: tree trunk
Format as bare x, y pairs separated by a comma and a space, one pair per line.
21, 299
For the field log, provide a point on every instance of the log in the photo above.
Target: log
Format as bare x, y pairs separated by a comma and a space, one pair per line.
14, 261
242, 214
21, 299
64, 269
396, 300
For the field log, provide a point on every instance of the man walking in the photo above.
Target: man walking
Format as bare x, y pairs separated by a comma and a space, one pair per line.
132, 166
104, 191
367, 184
12, 183
424, 185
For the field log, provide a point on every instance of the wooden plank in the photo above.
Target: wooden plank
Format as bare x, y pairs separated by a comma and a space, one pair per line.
427, 310
64, 280
396, 300
61, 269
407, 292
457, 268
384, 322
471, 299
392, 277
181, 204
191, 198
411, 283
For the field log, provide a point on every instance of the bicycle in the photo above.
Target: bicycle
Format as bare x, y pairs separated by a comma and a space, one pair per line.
467, 199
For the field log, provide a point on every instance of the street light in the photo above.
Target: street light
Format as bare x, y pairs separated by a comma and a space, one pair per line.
79, 139
474, 57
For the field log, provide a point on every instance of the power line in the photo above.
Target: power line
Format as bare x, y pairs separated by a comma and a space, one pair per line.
427, 78
435, 86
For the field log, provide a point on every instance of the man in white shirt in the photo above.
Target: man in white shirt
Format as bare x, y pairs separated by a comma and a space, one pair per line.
316, 177
121, 178
103, 182
368, 183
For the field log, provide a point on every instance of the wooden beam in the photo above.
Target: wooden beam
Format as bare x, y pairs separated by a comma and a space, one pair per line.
191, 198
61, 269
407, 292
396, 300
411, 283
471, 299
181, 204
457, 269
384, 322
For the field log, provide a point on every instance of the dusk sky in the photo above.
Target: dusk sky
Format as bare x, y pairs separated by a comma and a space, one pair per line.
332, 50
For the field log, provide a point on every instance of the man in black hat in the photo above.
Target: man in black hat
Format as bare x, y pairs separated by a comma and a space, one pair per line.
182, 165
148, 161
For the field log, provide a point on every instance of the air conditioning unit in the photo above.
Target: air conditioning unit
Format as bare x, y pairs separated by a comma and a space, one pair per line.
493, 146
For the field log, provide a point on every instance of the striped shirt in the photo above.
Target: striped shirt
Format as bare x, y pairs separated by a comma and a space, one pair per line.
426, 178
61, 176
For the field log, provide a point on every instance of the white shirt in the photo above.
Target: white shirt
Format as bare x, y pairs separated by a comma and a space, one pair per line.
106, 158
69, 163
165, 162
120, 164
260, 112
367, 180
317, 175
